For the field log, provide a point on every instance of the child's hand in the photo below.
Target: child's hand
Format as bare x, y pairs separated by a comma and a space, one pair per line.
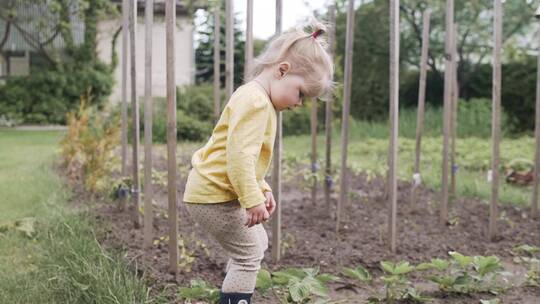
270, 202
257, 215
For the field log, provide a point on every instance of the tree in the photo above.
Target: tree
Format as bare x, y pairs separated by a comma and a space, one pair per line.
474, 43
474, 37
205, 51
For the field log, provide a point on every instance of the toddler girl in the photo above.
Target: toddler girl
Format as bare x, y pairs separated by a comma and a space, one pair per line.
226, 192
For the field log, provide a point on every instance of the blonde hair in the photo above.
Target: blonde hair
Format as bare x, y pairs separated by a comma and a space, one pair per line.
306, 52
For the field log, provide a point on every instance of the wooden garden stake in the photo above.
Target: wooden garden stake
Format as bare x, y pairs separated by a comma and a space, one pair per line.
276, 173
124, 110
328, 110
249, 39
229, 48
534, 201
343, 189
217, 62
449, 51
125, 41
135, 116
314, 150
394, 123
496, 118
453, 120
148, 189
170, 23
421, 105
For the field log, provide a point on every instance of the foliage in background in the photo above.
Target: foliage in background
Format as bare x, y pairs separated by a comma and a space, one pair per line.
46, 96
194, 116
89, 144
370, 82
58, 76
204, 53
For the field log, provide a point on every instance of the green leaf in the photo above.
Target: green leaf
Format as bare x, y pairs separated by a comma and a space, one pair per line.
443, 281
403, 268
440, 264
264, 280
462, 280
315, 287
462, 260
284, 276
280, 278
294, 272
360, 273
298, 292
484, 265
393, 279
191, 293
326, 277
424, 266
387, 267
415, 296
199, 290
312, 272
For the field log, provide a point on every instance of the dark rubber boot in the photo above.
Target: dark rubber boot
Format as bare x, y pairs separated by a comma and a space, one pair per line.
235, 298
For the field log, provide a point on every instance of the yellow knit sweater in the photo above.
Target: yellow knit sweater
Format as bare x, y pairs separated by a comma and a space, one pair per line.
234, 161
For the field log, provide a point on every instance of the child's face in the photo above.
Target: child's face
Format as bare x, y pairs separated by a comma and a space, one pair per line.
287, 92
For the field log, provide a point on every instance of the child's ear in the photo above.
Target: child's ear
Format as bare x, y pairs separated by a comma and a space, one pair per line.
283, 68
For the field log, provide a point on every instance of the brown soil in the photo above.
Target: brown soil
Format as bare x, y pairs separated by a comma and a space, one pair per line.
311, 239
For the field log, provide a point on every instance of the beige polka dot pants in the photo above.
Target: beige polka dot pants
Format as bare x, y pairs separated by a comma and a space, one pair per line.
244, 246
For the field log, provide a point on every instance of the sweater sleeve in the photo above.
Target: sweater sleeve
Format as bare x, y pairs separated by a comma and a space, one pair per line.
264, 186
247, 123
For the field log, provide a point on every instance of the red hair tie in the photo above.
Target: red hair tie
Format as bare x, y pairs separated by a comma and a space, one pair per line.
317, 33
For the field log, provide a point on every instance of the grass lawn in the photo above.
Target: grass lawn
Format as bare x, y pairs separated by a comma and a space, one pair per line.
61, 262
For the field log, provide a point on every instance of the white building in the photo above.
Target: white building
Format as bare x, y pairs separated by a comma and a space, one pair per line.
18, 58
184, 49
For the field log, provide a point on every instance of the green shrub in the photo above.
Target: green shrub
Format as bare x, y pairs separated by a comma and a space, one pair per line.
46, 96
194, 116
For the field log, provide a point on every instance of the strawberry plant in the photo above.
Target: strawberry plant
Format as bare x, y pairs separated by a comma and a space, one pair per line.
294, 285
199, 290
464, 274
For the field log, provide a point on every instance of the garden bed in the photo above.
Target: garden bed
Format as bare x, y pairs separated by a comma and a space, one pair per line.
310, 240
